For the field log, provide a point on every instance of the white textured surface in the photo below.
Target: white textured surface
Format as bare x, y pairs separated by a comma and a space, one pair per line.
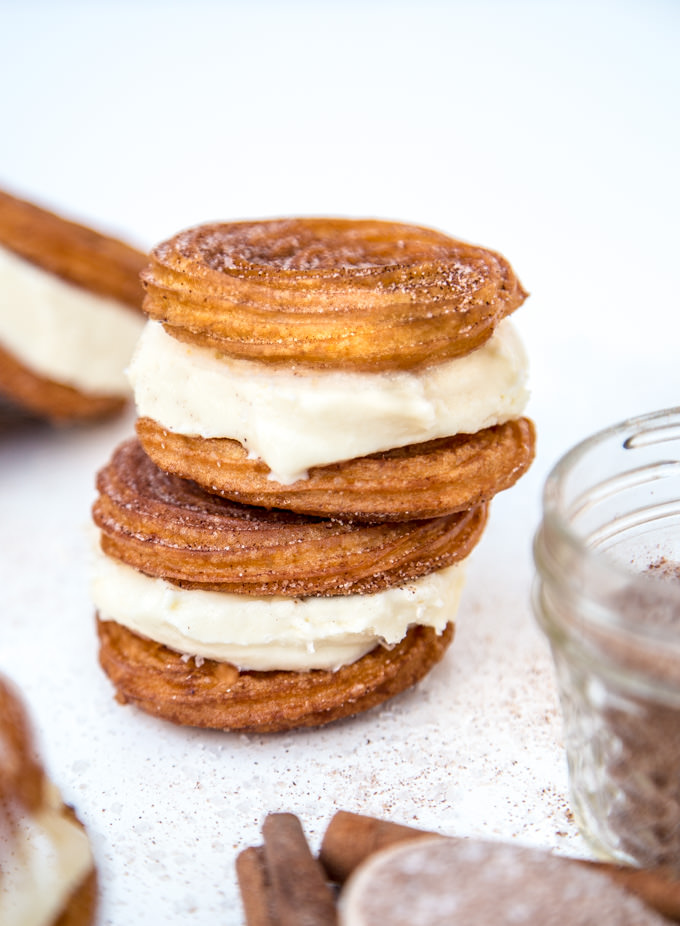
544, 130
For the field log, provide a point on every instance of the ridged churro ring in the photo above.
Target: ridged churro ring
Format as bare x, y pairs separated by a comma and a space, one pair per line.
329, 292
169, 527
408, 483
216, 695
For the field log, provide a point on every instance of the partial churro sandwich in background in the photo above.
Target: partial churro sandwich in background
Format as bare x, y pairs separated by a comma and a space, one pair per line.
47, 874
70, 300
327, 408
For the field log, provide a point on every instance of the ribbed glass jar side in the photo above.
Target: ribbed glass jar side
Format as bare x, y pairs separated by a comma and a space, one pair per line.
607, 595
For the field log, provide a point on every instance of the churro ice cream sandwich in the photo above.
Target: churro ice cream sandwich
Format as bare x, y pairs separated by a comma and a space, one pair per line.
333, 367
217, 614
70, 301
47, 875
326, 409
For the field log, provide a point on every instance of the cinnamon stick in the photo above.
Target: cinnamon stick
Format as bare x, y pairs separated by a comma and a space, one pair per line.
253, 881
300, 894
659, 889
351, 837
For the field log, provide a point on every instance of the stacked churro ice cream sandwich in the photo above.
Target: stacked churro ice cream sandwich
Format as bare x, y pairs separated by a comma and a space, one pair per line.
70, 314
326, 408
47, 874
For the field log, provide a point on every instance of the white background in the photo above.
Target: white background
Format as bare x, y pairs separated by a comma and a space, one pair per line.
546, 130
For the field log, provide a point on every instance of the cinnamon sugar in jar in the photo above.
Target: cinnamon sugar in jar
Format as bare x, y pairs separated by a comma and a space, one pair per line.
607, 594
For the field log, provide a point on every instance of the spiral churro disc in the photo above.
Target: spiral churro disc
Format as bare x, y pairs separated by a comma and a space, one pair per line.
415, 482
329, 292
169, 527
216, 695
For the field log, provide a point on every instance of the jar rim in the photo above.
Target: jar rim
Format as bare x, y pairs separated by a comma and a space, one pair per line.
640, 430
646, 433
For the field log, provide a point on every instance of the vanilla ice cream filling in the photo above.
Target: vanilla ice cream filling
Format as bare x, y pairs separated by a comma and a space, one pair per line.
46, 860
295, 418
271, 633
64, 333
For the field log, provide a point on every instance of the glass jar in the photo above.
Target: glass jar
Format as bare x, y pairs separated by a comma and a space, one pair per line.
607, 595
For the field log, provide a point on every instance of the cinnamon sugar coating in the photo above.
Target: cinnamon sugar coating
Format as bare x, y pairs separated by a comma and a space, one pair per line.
329, 292
216, 695
169, 527
409, 483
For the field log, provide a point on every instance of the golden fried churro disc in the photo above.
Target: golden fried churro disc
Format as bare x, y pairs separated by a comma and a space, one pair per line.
329, 292
34, 820
216, 695
169, 527
70, 313
415, 482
